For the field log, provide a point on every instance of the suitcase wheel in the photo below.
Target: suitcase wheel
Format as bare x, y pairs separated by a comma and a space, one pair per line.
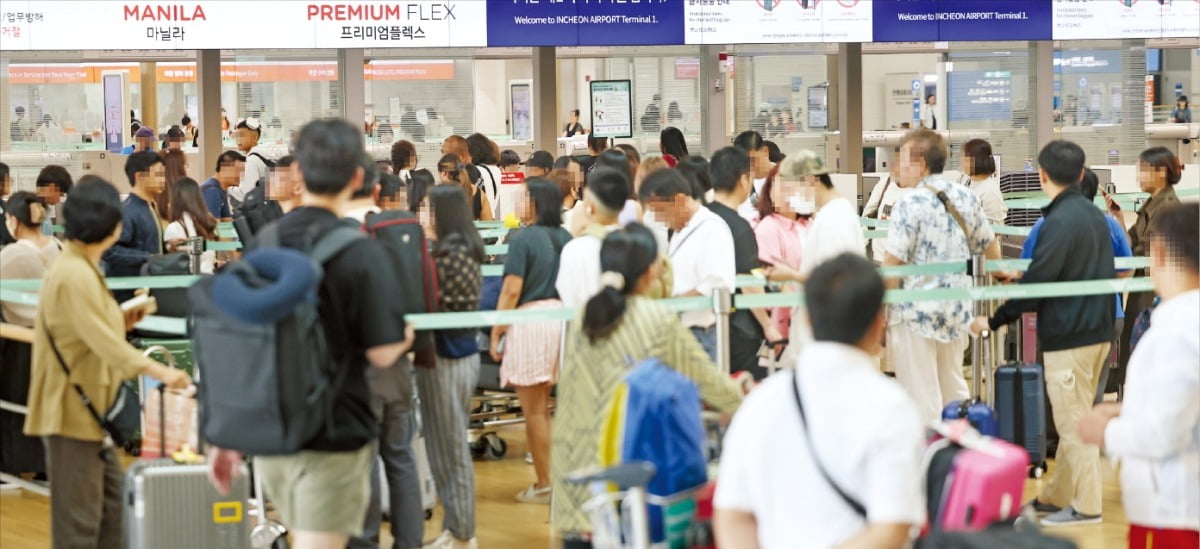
1037, 470
489, 446
429, 514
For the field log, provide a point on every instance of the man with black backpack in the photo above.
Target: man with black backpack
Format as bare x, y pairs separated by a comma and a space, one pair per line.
322, 487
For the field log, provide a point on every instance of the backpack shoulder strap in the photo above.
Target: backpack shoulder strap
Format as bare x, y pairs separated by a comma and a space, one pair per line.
336, 240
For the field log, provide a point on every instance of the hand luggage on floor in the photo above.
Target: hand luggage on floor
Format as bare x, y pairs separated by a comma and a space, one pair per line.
424, 480
1021, 408
972, 481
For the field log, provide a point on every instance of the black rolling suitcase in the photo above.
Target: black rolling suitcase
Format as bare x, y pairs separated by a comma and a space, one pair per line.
1021, 408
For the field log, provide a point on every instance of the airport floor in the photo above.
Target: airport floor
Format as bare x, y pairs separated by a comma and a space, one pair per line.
503, 523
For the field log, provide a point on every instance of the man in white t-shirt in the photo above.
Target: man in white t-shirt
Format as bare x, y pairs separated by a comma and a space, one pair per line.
836, 475
579, 268
701, 248
249, 131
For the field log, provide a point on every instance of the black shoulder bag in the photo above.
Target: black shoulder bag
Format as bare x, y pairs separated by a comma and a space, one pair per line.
854, 504
122, 419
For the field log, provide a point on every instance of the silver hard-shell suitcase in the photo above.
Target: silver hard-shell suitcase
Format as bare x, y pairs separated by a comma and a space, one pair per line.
173, 505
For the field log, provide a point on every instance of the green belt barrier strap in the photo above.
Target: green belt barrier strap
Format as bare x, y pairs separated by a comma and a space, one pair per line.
986, 293
498, 249
493, 233
222, 246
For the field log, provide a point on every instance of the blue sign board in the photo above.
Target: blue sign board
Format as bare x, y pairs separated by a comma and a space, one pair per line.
979, 95
584, 23
961, 20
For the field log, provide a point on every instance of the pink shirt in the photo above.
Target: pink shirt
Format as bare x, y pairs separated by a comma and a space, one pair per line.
780, 242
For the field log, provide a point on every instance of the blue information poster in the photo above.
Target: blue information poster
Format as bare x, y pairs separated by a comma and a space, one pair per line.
980, 95
584, 23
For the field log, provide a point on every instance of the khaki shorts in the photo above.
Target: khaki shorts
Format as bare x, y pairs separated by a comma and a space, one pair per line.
324, 492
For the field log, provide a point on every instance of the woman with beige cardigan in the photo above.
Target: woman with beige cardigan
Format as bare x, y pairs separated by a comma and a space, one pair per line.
78, 316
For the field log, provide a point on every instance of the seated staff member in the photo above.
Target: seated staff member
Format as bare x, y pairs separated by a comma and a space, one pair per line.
701, 248
529, 358
730, 174
81, 328
618, 325
874, 459
1155, 431
216, 188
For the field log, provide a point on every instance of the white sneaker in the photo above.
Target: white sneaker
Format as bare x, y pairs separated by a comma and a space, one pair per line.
529, 458
448, 541
535, 495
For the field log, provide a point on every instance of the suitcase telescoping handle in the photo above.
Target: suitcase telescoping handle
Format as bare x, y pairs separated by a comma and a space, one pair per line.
162, 399
981, 356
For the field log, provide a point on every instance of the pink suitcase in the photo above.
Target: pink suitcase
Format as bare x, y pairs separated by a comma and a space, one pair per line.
973, 481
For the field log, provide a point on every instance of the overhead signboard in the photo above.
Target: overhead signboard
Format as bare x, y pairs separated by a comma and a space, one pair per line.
122, 26
1126, 19
584, 22
961, 20
777, 21
217, 24
611, 108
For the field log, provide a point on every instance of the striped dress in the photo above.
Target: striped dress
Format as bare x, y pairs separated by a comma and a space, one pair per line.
591, 373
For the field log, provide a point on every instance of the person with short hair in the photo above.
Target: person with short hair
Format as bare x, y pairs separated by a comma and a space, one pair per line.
322, 492
215, 189
510, 161
249, 132
730, 173
794, 443
175, 138
1155, 430
620, 325
53, 183
191, 134
539, 164
142, 228
926, 339
1074, 333
701, 248
979, 175
579, 271
83, 329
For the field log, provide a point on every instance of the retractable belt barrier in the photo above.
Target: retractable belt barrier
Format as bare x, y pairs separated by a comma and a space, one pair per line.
438, 321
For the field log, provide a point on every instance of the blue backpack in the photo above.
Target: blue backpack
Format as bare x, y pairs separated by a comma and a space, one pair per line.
655, 416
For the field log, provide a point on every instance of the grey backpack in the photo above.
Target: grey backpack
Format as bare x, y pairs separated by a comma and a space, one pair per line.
268, 389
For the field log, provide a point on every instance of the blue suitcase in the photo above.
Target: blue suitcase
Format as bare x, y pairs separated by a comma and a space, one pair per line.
1021, 408
976, 412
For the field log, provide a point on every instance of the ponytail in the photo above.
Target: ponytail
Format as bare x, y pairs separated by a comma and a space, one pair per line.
27, 208
603, 313
625, 256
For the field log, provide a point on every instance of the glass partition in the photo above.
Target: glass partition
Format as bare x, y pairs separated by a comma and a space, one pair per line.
1100, 98
781, 92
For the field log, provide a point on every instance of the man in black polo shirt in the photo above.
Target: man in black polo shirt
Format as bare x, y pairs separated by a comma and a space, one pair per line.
730, 174
322, 491
1074, 332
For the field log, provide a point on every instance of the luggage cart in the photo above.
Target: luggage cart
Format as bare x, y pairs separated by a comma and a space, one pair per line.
620, 518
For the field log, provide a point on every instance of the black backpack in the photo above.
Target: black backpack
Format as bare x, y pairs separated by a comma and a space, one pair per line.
270, 163
268, 389
254, 213
401, 234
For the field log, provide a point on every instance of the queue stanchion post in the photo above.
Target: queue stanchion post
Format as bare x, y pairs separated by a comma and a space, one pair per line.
722, 307
977, 269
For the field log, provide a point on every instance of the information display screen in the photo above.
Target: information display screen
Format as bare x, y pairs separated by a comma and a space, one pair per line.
777, 21
611, 108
